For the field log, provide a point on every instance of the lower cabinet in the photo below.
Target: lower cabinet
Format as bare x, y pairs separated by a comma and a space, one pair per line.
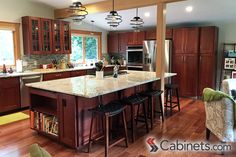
9, 94
78, 73
186, 67
67, 120
54, 76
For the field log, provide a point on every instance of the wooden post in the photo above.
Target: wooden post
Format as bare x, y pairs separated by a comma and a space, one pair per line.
161, 29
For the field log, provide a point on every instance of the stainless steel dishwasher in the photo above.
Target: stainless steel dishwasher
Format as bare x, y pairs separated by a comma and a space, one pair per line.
25, 99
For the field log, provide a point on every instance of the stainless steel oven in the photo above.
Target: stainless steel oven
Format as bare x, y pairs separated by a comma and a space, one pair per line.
134, 56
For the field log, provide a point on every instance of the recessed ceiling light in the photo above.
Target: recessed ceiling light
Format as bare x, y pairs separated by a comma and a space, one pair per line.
147, 14
189, 9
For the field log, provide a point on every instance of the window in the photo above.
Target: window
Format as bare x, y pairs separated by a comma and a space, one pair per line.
9, 43
85, 46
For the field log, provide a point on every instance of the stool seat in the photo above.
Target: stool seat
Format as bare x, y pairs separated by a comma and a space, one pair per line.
111, 108
135, 99
171, 86
152, 93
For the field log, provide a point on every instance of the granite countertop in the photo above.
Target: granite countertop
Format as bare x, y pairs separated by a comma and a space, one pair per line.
88, 86
46, 71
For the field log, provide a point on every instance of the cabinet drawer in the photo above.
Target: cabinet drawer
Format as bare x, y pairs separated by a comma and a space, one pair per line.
78, 73
55, 76
9, 82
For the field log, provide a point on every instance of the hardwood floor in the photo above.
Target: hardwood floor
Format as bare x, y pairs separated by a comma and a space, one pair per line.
188, 124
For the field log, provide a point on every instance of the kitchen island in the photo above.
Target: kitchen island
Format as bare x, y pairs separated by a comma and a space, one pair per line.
59, 108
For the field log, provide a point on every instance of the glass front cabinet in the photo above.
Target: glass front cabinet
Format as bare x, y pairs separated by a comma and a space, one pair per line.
46, 36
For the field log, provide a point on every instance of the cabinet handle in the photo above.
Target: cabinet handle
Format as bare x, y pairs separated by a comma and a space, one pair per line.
64, 102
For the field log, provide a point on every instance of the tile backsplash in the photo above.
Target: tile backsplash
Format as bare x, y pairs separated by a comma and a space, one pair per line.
34, 61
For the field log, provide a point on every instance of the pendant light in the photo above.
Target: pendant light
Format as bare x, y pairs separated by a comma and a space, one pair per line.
78, 11
136, 22
113, 18
92, 31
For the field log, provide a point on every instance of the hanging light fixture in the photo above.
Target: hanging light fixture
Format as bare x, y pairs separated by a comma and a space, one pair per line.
92, 31
77, 11
136, 22
113, 18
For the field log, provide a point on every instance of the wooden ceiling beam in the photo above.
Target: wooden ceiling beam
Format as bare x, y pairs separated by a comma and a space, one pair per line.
106, 6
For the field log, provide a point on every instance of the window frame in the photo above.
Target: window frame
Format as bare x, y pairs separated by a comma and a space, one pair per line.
15, 28
88, 33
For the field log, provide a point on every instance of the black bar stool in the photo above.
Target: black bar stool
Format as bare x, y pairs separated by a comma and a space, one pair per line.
110, 110
133, 101
151, 107
169, 92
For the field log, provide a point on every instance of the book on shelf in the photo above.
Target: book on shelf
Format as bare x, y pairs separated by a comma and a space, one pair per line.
46, 123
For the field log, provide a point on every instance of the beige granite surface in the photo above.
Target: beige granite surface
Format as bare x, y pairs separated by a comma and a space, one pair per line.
88, 86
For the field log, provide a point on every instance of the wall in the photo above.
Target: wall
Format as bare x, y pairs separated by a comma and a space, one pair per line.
13, 10
88, 27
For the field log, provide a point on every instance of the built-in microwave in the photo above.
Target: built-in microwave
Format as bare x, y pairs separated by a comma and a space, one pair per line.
134, 55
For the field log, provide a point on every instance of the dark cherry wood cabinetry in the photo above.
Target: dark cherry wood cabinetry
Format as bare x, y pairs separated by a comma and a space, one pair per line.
45, 36
78, 73
113, 43
193, 59
207, 58
151, 34
136, 38
67, 120
123, 41
54, 76
61, 37
9, 94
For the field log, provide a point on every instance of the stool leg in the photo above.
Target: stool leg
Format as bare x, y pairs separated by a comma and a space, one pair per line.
132, 123
137, 115
161, 108
171, 102
145, 117
106, 135
152, 110
125, 128
167, 94
90, 133
177, 95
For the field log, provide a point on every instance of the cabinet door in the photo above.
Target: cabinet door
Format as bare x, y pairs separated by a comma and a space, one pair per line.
113, 44
178, 40
178, 67
169, 33
9, 94
151, 35
67, 120
55, 76
35, 35
190, 78
123, 41
208, 40
46, 30
191, 40
139, 37
66, 40
78, 73
131, 37
207, 75
57, 37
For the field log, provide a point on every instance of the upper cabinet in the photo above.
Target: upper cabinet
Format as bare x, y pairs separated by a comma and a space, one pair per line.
136, 38
113, 43
45, 36
123, 41
186, 40
151, 34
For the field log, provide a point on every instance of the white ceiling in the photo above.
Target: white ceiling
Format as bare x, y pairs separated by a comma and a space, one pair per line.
204, 11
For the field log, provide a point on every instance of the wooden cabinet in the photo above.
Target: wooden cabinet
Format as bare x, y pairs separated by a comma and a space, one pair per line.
186, 67
54, 76
151, 34
136, 38
122, 42
186, 40
45, 36
67, 120
61, 37
207, 58
9, 94
78, 73
113, 43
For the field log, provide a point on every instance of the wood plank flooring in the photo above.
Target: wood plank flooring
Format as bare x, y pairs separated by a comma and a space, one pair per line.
188, 124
